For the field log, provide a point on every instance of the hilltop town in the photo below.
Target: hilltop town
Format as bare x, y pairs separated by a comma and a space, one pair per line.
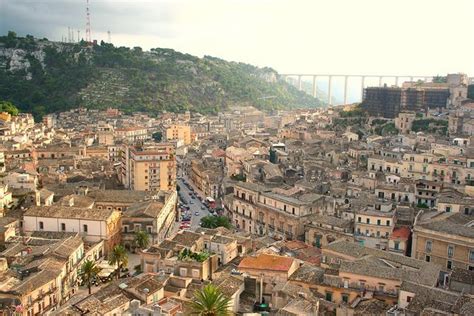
359, 209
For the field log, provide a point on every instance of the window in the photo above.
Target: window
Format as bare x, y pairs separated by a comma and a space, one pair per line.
450, 251
449, 264
409, 299
381, 287
63, 227
388, 223
125, 228
84, 228
368, 220
329, 296
428, 258
359, 219
397, 245
428, 245
183, 271
471, 255
345, 298
378, 222
41, 225
448, 209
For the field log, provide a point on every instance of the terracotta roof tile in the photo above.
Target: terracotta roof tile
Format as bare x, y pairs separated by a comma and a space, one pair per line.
266, 262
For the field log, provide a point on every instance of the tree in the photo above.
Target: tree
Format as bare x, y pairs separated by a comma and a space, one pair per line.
142, 239
89, 271
118, 257
210, 301
157, 136
215, 221
8, 107
440, 79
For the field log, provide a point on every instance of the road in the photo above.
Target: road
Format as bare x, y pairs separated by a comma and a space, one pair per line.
195, 207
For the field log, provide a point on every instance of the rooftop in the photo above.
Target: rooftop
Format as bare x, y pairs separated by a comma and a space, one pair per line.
266, 262
58, 211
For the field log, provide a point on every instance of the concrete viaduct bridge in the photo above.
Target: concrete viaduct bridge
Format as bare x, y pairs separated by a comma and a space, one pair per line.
329, 78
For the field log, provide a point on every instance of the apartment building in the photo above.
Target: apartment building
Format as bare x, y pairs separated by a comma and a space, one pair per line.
179, 133
374, 224
156, 217
446, 239
263, 211
207, 176
149, 168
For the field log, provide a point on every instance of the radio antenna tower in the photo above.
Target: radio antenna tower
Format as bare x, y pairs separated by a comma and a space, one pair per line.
88, 23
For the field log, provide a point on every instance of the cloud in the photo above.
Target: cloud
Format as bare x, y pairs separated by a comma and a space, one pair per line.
404, 37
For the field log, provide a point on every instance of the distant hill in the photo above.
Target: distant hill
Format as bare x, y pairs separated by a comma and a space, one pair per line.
41, 76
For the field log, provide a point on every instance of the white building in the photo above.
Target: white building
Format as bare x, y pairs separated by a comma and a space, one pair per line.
92, 223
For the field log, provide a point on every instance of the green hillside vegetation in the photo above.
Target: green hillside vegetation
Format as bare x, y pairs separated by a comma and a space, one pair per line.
430, 126
386, 129
8, 107
58, 76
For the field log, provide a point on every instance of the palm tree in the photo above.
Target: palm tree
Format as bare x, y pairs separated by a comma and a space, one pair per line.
210, 301
142, 239
118, 257
88, 272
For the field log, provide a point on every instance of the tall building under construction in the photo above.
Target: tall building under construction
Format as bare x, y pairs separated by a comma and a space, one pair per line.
389, 101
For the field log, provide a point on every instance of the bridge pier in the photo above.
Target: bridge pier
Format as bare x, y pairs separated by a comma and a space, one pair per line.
362, 87
345, 89
315, 87
329, 90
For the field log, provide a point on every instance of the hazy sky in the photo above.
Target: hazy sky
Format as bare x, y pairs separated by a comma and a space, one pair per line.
419, 37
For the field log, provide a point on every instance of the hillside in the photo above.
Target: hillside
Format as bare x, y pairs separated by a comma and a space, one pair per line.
41, 76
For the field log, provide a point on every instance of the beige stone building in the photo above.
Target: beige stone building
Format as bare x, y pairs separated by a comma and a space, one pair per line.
156, 217
446, 239
263, 211
404, 121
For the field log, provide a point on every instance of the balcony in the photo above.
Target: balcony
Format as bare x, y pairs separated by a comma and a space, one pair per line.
244, 200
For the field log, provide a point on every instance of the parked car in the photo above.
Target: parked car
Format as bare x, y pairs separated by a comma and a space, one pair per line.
196, 213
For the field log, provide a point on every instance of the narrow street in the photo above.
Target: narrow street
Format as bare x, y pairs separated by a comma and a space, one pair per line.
197, 208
